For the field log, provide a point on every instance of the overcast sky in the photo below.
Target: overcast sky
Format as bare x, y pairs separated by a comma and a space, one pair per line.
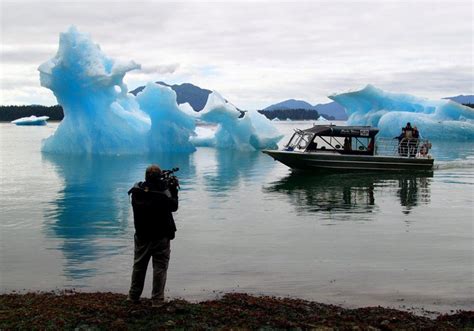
253, 53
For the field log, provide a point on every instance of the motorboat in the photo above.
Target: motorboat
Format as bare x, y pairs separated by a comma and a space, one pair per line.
342, 148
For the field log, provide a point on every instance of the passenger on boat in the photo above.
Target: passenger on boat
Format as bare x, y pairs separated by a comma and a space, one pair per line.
347, 144
400, 138
370, 147
416, 133
414, 142
408, 141
408, 131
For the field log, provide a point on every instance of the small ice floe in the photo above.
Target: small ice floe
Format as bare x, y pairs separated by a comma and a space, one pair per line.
32, 120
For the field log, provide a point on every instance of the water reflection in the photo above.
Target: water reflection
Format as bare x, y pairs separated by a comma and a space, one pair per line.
413, 191
231, 167
91, 212
356, 193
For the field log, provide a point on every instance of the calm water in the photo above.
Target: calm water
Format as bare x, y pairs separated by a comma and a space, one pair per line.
246, 223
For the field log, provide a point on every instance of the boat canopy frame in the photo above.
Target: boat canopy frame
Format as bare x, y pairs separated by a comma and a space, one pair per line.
343, 131
303, 140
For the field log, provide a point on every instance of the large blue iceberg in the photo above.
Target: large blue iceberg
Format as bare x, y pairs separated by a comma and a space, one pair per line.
441, 119
101, 117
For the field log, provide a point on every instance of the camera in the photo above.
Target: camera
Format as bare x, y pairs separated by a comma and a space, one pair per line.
168, 178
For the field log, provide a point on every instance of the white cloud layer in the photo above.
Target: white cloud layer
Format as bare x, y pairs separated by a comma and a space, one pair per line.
253, 53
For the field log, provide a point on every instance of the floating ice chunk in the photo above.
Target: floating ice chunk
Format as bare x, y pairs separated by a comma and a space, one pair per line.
265, 135
441, 119
253, 131
32, 120
97, 114
171, 126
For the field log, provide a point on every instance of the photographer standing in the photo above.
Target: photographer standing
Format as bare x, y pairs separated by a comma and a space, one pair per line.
153, 202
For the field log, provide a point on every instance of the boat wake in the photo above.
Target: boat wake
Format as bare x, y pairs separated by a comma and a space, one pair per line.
454, 164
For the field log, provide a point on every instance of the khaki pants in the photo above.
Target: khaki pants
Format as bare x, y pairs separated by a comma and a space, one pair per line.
159, 250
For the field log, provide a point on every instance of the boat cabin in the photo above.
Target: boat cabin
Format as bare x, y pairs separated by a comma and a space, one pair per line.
353, 140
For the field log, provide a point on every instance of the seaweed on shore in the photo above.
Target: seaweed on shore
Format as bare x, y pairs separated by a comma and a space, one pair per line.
71, 310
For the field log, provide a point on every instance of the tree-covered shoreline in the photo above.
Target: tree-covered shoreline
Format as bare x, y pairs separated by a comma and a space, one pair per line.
11, 113
55, 113
291, 114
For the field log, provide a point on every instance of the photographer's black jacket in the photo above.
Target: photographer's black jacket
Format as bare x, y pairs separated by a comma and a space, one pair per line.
152, 210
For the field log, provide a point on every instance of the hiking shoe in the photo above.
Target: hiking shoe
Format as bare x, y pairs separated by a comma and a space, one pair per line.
133, 300
158, 303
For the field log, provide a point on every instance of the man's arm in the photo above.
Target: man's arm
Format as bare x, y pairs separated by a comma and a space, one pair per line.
168, 198
173, 200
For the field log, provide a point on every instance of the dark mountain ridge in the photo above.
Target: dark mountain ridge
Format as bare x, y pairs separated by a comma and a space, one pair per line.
462, 99
186, 92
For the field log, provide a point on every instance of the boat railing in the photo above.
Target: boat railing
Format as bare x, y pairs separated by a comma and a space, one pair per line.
406, 147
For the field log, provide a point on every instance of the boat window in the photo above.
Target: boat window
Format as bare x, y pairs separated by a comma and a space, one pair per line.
303, 143
299, 141
361, 144
329, 143
291, 142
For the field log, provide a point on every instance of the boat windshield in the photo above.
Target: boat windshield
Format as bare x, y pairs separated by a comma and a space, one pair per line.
299, 141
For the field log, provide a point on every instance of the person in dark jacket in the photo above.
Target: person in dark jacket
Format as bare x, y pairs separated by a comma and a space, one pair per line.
153, 203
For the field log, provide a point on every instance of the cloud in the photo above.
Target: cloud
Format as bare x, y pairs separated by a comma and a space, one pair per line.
160, 69
256, 53
14, 54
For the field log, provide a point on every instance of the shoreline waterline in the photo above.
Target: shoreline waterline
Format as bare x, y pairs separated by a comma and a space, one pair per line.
72, 310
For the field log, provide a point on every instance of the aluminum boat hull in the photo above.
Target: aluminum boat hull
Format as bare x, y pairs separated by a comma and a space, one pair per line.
338, 162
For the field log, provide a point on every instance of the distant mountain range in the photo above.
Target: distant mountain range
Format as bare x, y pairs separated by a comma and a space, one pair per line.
290, 104
331, 110
197, 98
463, 99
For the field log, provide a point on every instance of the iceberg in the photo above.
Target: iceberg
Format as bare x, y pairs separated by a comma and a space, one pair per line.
171, 127
32, 120
253, 131
101, 117
436, 119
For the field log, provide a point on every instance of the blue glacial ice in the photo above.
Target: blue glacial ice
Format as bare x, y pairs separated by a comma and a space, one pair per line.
90, 88
440, 119
253, 131
101, 117
171, 126
32, 120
